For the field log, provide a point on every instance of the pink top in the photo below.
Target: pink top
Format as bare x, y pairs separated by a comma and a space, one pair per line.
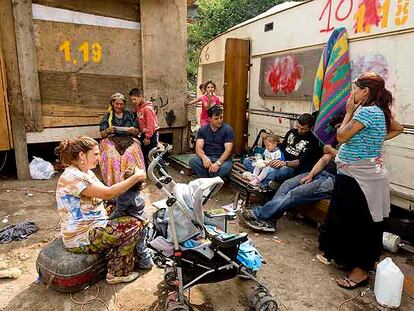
204, 119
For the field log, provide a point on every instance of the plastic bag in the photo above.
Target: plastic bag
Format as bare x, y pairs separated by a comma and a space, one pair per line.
41, 169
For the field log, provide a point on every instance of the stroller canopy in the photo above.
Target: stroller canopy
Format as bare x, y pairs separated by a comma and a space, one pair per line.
188, 210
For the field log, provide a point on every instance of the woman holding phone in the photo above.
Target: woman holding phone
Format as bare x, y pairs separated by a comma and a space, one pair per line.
352, 235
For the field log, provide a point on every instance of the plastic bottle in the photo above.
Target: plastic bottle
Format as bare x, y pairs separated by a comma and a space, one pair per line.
388, 284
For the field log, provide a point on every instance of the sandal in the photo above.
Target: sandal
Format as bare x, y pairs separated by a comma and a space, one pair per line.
350, 284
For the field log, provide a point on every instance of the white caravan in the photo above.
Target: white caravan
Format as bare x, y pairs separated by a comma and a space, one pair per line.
381, 39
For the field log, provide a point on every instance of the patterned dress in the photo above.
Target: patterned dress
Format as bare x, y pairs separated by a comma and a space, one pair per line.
85, 226
113, 164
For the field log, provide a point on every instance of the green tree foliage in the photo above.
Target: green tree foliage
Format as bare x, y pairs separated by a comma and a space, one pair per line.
216, 16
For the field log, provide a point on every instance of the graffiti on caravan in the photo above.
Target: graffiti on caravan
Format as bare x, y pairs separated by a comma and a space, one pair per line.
285, 74
289, 75
371, 63
366, 14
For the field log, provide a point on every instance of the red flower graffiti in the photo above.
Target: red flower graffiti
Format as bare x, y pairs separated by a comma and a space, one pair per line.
371, 16
284, 75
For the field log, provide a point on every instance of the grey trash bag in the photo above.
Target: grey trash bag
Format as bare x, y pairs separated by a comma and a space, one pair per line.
41, 169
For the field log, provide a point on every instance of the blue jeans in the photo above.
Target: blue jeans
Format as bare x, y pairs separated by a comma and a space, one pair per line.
280, 174
292, 193
197, 166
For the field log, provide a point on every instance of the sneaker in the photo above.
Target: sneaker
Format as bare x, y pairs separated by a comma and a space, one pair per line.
260, 226
274, 185
247, 215
123, 279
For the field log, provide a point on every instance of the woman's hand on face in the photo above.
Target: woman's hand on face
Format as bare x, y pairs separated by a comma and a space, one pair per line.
351, 106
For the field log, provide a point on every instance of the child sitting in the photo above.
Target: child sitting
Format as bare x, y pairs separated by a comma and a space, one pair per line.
261, 165
130, 203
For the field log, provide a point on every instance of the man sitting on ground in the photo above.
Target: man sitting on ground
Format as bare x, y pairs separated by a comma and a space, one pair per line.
305, 188
300, 148
213, 147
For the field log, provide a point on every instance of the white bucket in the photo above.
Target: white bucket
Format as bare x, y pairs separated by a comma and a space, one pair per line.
389, 282
391, 242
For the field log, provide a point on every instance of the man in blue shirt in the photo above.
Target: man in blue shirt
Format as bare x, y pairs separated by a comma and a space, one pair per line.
213, 147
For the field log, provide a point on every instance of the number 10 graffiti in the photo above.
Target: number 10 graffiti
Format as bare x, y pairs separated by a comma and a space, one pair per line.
369, 12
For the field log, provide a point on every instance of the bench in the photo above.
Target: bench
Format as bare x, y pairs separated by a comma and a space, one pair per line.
316, 211
251, 194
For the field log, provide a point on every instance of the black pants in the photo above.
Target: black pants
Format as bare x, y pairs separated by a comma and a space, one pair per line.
147, 148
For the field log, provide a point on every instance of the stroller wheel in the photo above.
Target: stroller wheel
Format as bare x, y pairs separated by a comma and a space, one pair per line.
172, 303
176, 306
257, 294
266, 303
170, 276
159, 261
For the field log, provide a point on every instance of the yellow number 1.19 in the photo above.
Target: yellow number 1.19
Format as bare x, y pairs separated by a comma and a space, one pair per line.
96, 51
84, 48
65, 47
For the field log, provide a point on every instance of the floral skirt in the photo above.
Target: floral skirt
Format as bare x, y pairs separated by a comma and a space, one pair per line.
117, 240
113, 165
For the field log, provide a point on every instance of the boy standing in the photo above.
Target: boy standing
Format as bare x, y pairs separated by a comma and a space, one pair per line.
147, 122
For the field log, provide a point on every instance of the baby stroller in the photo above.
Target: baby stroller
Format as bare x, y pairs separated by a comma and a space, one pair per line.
213, 260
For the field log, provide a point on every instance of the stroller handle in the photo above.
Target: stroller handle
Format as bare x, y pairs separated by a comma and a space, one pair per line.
155, 161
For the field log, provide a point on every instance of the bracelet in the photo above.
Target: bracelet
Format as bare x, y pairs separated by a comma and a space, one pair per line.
219, 163
286, 164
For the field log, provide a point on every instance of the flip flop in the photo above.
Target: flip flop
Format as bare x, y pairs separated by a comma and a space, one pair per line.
352, 284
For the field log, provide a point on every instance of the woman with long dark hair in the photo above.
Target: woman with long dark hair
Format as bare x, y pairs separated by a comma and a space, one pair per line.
353, 230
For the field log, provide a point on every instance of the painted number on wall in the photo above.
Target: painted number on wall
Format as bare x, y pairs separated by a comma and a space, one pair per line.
94, 52
368, 13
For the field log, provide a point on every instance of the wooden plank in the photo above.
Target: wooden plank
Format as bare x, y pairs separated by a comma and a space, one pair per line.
13, 89
5, 129
27, 57
164, 68
58, 134
236, 68
409, 287
66, 47
123, 9
73, 110
66, 96
180, 140
49, 121
316, 211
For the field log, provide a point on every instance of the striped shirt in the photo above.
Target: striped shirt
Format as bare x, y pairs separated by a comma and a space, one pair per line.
368, 142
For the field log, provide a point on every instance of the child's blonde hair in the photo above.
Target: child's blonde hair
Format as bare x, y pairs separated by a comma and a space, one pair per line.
272, 138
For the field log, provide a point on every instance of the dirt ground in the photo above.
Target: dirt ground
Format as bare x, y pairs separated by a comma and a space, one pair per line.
296, 278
